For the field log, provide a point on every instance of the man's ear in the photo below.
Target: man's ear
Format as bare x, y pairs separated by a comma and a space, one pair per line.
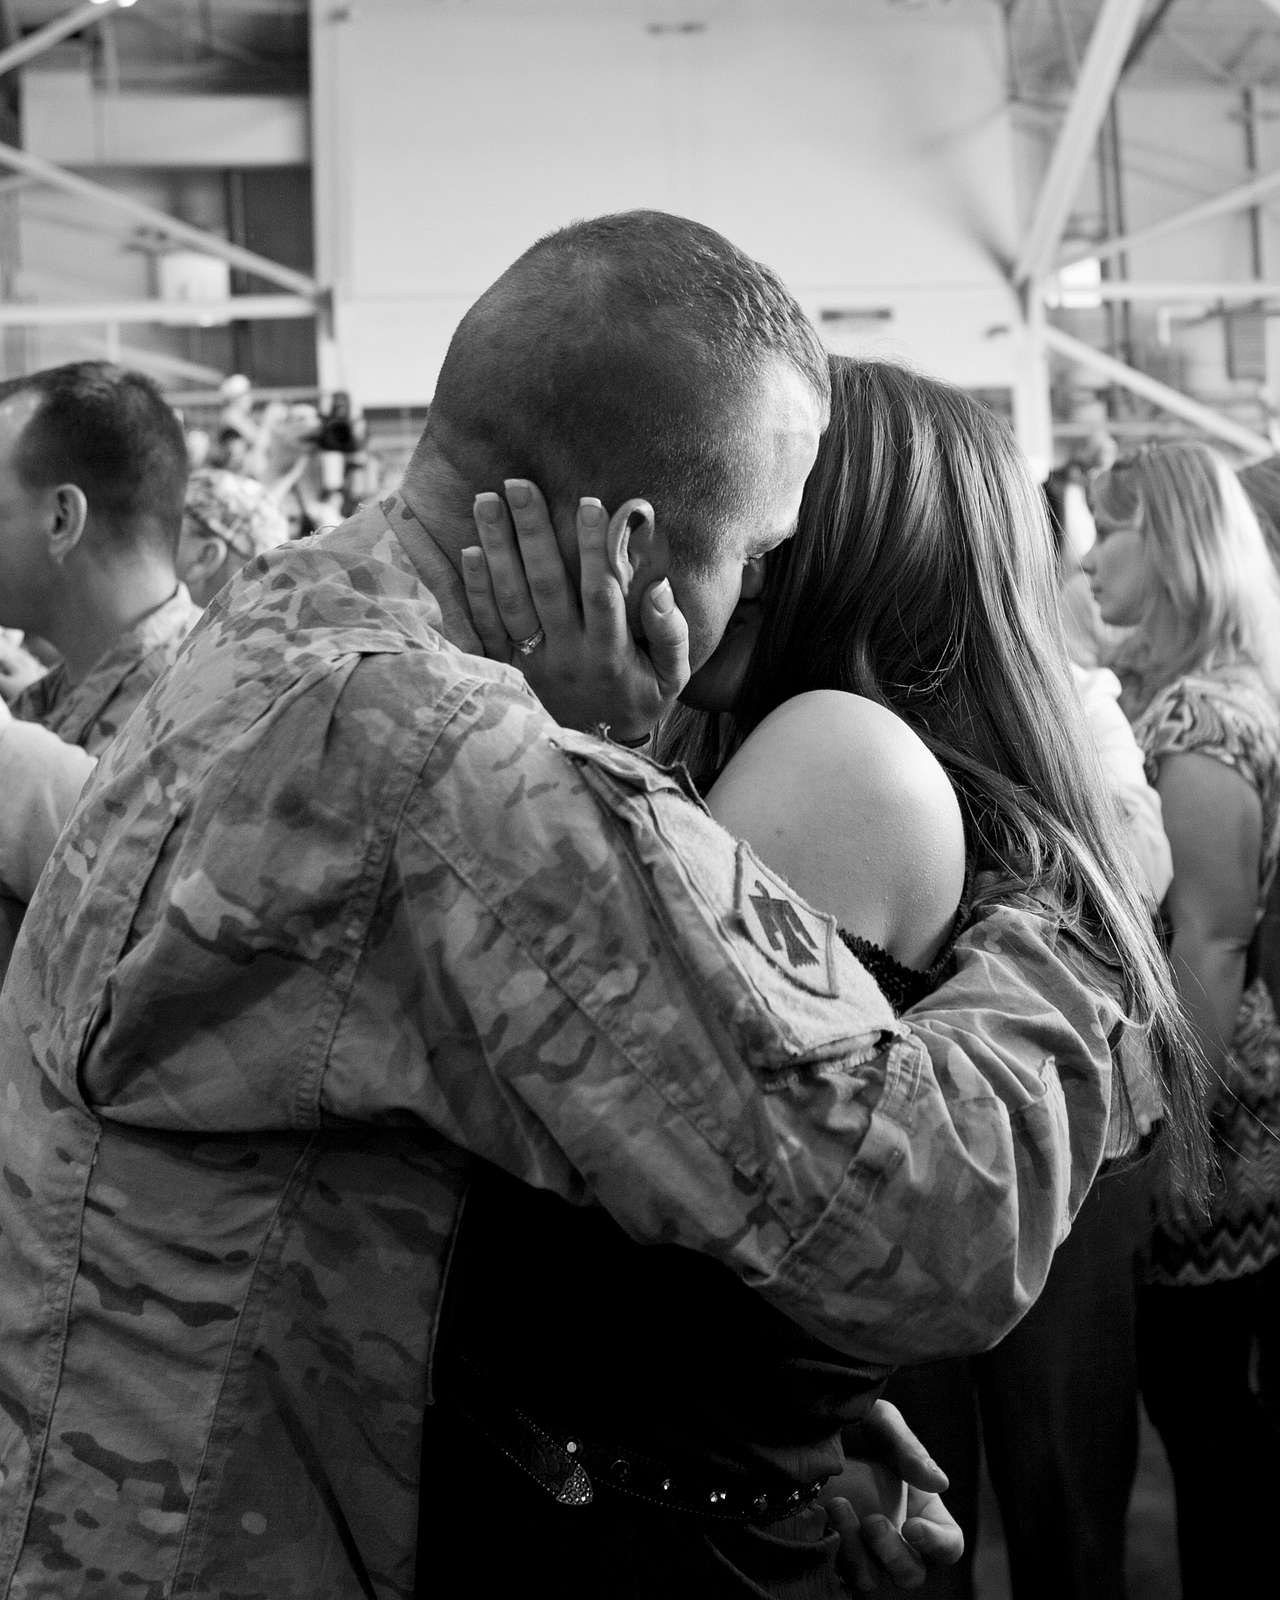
70, 513
638, 552
209, 555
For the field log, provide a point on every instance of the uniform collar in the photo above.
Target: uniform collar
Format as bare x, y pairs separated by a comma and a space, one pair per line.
73, 710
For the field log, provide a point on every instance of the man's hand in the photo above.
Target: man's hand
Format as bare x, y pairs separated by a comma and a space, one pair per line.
18, 667
585, 666
886, 1506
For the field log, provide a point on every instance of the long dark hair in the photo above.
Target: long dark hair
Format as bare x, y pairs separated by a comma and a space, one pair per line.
923, 576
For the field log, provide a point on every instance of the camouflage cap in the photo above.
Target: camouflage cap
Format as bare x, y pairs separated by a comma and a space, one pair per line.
236, 509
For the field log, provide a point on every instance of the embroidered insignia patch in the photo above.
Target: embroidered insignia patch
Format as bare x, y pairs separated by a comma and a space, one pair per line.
796, 939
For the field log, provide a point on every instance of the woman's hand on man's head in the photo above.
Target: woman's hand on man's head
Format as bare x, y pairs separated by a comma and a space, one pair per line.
574, 647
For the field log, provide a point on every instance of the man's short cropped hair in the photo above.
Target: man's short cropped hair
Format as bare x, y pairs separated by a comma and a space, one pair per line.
611, 358
112, 433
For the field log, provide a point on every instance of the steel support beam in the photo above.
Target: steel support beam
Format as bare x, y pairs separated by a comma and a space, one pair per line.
37, 43
157, 362
1237, 199
175, 313
1146, 33
1032, 411
1140, 289
247, 260
1254, 445
1104, 57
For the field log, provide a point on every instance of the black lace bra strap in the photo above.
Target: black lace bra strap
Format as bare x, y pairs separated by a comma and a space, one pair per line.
904, 985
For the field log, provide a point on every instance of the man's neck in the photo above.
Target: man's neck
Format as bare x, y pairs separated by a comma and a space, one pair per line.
103, 604
441, 502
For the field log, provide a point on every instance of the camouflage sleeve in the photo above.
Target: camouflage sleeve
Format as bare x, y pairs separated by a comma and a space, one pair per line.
621, 1003
1007, 1133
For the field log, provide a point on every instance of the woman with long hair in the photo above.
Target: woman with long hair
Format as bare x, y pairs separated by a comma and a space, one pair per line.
1181, 561
922, 578
890, 722
1260, 480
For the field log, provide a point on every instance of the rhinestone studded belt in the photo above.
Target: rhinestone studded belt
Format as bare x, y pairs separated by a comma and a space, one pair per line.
570, 1467
640, 1477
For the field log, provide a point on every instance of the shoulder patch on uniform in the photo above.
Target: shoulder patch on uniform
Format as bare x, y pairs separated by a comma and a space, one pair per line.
789, 932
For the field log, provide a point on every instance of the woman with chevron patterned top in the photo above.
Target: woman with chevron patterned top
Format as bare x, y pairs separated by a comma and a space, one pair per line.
1181, 560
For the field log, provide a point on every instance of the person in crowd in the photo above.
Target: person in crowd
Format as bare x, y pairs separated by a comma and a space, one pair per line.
1054, 1405
1261, 482
227, 519
1181, 561
890, 717
1071, 524
93, 470
199, 447
232, 450
345, 913
1090, 641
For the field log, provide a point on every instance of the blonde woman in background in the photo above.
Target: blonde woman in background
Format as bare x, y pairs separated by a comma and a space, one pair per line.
1181, 560
1261, 481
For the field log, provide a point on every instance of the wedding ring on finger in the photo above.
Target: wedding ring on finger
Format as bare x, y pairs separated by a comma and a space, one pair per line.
526, 647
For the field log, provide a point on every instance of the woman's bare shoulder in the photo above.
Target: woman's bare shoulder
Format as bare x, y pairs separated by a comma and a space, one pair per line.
849, 804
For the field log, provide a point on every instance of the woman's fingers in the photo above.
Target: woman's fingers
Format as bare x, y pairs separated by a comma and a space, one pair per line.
886, 1437
667, 634
937, 1540
494, 638
604, 610
584, 664
855, 1560
899, 1561
511, 599
554, 598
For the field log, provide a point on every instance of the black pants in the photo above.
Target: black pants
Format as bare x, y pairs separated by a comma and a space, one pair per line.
1208, 1366
1055, 1404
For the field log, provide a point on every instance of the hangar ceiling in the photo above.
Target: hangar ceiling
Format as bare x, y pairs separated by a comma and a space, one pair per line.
1178, 42
261, 47
231, 46
247, 45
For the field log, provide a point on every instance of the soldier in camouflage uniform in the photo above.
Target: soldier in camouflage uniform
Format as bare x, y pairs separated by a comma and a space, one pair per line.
227, 520
344, 912
93, 468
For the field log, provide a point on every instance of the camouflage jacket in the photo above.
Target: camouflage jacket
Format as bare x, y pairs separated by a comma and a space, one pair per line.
91, 712
343, 911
